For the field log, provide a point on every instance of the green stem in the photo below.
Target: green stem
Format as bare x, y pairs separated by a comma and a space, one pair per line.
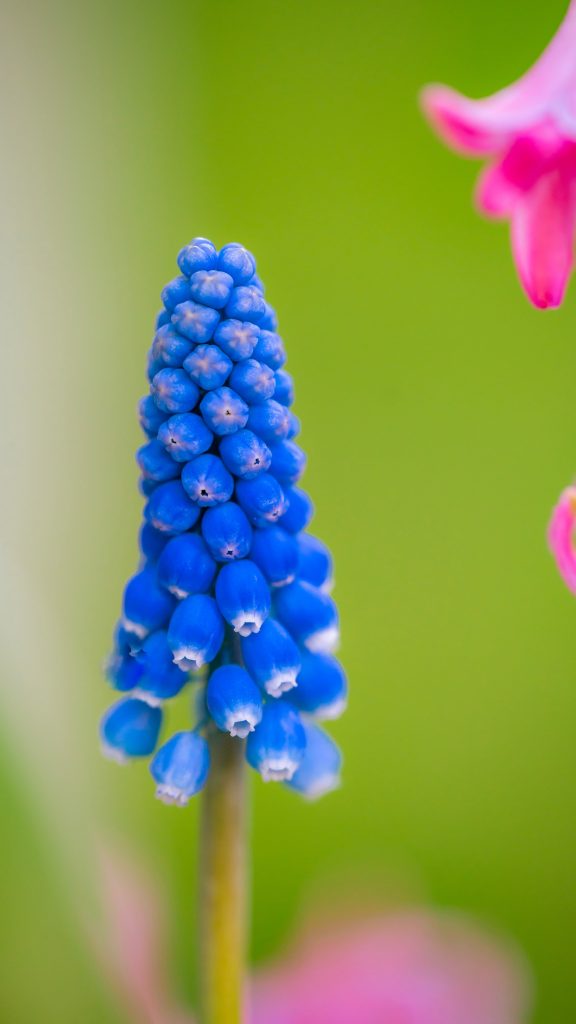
223, 884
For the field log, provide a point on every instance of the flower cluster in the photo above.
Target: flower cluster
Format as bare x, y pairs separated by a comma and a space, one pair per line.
231, 593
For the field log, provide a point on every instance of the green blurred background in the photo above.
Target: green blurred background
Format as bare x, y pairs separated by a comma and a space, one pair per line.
438, 414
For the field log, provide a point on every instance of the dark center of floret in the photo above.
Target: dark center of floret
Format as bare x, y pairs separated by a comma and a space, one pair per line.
173, 440
256, 462
228, 413
230, 552
204, 492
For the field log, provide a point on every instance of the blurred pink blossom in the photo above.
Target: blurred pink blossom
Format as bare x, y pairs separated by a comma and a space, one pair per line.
528, 134
408, 967
561, 536
404, 967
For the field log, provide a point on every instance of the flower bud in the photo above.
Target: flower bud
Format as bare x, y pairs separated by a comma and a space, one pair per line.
270, 350
246, 303
288, 462
309, 615
169, 348
208, 366
186, 566
322, 689
185, 436
237, 338
175, 292
199, 255
130, 728
314, 562
211, 288
270, 420
236, 261
170, 510
161, 678
227, 532
284, 389
195, 632
173, 390
253, 381
262, 499
224, 411
234, 701
155, 463
207, 481
245, 454
272, 658
146, 606
276, 747
319, 770
298, 510
180, 768
195, 322
275, 552
243, 596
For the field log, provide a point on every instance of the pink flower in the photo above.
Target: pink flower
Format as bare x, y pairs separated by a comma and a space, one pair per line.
561, 536
409, 967
405, 967
528, 134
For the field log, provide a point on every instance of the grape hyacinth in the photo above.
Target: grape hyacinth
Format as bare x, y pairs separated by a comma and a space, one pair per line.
231, 597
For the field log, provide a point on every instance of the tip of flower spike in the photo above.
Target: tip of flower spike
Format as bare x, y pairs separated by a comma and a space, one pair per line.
171, 795
325, 641
278, 769
281, 683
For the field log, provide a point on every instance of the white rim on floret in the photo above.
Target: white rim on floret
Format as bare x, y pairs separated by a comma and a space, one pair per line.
113, 753
325, 641
322, 785
281, 682
189, 659
278, 769
172, 795
332, 710
134, 627
241, 722
148, 698
248, 623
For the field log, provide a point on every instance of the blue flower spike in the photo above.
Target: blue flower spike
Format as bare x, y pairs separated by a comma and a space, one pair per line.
230, 599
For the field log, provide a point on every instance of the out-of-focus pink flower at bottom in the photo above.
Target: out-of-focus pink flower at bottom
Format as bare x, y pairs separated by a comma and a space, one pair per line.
403, 967
561, 536
410, 967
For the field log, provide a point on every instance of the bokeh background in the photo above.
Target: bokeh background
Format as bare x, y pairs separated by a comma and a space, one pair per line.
438, 415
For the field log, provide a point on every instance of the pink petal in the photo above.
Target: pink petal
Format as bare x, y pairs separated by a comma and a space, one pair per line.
481, 127
561, 536
409, 967
502, 183
133, 949
543, 238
